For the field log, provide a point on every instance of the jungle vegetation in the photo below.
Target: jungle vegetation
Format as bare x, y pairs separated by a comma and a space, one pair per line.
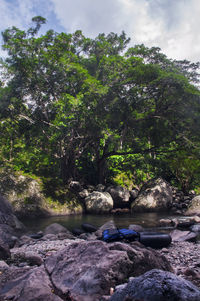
97, 110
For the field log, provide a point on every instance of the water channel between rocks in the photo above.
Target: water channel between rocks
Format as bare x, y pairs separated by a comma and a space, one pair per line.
147, 220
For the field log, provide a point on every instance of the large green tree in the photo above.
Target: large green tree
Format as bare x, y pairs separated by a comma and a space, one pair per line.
69, 104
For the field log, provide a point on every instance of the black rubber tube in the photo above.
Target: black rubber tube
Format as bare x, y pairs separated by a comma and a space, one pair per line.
155, 240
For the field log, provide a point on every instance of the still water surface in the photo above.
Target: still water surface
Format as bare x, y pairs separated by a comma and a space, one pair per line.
147, 220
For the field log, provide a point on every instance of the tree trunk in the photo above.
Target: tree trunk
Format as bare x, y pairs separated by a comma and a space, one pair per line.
68, 168
101, 167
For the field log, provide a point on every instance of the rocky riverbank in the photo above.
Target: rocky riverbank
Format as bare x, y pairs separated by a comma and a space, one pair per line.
28, 197
183, 256
58, 265
185, 260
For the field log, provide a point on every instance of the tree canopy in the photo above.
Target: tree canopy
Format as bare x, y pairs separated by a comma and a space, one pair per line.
73, 107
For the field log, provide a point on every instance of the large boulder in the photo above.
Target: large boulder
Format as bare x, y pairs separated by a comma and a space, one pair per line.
23, 192
157, 285
155, 196
7, 216
98, 202
91, 268
194, 206
33, 285
26, 195
120, 196
9, 224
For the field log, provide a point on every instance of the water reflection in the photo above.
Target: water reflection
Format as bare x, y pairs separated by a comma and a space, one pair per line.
147, 220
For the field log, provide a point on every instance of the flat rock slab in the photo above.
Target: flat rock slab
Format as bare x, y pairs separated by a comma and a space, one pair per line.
178, 235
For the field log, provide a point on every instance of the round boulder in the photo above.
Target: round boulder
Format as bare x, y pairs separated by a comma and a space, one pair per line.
98, 202
120, 196
155, 196
57, 229
194, 206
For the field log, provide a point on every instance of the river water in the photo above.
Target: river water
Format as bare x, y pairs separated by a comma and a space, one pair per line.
147, 220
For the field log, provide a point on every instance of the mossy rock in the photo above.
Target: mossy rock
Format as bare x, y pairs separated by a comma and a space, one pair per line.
25, 193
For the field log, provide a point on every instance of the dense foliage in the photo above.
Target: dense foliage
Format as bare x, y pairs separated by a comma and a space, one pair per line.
72, 107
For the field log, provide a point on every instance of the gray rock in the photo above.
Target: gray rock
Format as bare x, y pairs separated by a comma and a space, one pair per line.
9, 225
24, 239
98, 202
120, 196
88, 236
56, 229
5, 206
10, 273
76, 186
195, 218
32, 258
194, 206
23, 192
195, 228
90, 188
7, 235
136, 228
4, 250
157, 285
87, 268
134, 194
100, 188
33, 285
178, 235
156, 195
84, 236
83, 194
6, 215
143, 259
65, 235
92, 268
49, 237
3, 265
166, 223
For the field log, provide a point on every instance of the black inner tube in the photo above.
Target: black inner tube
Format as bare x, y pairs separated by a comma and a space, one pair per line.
155, 239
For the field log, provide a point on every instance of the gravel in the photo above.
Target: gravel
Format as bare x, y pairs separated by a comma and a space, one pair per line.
185, 259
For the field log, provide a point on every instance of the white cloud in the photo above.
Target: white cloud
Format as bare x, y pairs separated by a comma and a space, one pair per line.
172, 25
91, 16
184, 40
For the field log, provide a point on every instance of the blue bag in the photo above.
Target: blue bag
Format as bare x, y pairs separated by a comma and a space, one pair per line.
110, 235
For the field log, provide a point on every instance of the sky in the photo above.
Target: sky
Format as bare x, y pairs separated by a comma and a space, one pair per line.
172, 25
